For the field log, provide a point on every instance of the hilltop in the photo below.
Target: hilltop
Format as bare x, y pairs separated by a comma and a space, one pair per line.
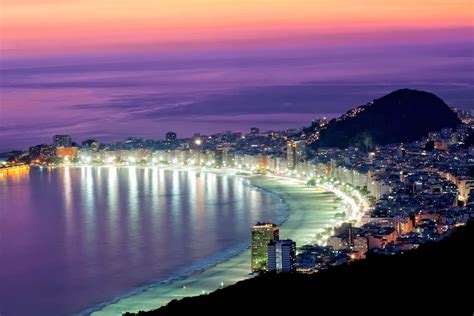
401, 116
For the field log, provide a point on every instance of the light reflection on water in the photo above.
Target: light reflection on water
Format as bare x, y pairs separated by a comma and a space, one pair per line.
74, 237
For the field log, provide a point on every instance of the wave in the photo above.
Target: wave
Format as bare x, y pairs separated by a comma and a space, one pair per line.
181, 274
199, 267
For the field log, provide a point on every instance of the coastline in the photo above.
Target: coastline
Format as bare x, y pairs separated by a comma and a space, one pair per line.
301, 224
200, 267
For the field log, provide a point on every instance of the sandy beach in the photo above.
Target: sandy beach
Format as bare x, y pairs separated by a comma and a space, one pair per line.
310, 210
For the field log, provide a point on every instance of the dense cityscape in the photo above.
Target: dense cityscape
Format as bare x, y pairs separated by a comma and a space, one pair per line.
396, 196
175, 157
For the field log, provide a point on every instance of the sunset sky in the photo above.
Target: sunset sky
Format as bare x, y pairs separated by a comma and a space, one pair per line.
100, 68
50, 27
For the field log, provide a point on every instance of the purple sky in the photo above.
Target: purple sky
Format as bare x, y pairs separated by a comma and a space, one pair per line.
146, 95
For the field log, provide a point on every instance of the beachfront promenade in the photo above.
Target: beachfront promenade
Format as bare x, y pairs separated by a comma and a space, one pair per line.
310, 211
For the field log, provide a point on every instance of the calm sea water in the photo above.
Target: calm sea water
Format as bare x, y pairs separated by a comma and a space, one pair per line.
72, 238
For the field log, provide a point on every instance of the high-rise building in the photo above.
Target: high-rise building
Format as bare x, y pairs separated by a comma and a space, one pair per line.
254, 130
229, 157
223, 156
295, 152
219, 156
62, 141
91, 144
171, 137
262, 234
282, 255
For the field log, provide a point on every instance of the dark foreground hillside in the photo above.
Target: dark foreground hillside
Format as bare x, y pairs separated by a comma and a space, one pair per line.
436, 277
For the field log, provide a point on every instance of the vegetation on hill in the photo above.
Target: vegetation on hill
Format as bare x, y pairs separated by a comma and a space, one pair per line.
401, 116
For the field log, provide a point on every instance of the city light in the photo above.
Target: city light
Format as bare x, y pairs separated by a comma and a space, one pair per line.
353, 199
152, 145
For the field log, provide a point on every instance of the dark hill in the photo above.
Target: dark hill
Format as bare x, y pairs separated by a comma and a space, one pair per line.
401, 116
435, 277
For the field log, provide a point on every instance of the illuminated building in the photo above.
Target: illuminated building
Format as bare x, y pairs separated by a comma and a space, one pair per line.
427, 215
295, 153
62, 141
229, 157
133, 143
337, 243
91, 144
262, 161
382, 237
223, 157
42, 153
219, 157
371, 157
360, 248
66, 152
254, 130
170, 137
15, 168
35, 151
282, 255
342, 238
327, 169
262, 234
197, 141
465, 186
440, 145
403, 225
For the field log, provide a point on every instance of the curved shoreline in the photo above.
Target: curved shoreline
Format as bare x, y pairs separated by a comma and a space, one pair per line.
195, 269
234, 266
204, 264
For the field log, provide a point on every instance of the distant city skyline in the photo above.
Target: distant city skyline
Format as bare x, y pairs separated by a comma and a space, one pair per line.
207, 66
